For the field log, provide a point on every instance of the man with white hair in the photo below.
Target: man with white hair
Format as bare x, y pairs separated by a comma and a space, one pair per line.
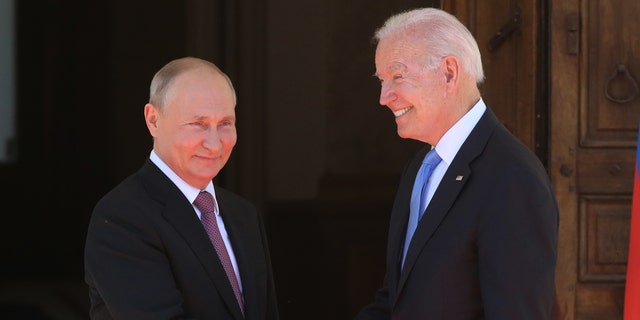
474, 227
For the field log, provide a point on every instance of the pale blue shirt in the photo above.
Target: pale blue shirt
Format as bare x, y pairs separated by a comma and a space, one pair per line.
191, 193
450, 143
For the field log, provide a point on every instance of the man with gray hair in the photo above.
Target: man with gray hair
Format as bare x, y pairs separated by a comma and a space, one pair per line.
474, 226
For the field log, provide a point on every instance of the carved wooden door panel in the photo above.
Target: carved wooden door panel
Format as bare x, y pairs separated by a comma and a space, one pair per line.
595, 108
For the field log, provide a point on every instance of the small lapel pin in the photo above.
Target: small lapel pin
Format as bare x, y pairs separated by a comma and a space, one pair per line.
459, 178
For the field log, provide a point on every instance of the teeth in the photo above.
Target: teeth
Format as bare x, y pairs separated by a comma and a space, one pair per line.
401, 111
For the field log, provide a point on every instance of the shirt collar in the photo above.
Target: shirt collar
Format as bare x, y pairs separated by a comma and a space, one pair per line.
453, 139
189, 191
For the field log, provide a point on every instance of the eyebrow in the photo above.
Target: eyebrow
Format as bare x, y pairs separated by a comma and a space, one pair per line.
396, 66
228, 118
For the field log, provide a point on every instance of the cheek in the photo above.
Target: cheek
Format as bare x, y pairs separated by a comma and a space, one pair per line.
187, 137
186, 141
228, 137
428, 93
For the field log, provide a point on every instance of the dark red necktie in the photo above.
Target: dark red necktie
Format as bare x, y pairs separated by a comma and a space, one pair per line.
205, 203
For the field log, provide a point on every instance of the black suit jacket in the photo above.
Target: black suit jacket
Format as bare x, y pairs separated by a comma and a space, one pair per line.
147, 255
486, 246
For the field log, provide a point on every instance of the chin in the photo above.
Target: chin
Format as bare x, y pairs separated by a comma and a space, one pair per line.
402, 134
213, 174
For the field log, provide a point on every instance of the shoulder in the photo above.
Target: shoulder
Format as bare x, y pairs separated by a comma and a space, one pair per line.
226, 197
133, 199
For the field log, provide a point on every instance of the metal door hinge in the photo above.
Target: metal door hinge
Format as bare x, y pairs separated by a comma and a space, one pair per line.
513, 25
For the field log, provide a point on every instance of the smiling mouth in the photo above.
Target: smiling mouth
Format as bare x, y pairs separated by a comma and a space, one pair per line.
402, 111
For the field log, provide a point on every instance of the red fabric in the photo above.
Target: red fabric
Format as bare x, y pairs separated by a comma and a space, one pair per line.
206, 204
632, 289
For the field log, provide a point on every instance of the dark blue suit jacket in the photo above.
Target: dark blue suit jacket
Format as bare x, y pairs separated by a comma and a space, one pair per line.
147, 256
486, 246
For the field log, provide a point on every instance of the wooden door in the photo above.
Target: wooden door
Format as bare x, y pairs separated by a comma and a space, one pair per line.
563, 76
512, 47
595, 108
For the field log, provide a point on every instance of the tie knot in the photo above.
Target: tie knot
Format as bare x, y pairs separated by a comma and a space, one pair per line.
204, 202
432, 159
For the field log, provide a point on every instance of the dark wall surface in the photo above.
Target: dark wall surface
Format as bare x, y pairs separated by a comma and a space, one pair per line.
83, 71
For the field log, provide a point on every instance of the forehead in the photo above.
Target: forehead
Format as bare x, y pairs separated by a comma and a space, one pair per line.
396, 53
201, 93
199, 82
200, 74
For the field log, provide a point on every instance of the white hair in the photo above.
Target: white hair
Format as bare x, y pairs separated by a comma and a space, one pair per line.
442, 33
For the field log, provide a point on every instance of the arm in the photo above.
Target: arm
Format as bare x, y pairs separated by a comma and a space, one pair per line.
517, 246
127, 269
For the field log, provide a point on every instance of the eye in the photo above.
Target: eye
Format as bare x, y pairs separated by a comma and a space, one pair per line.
226, 123
398, 76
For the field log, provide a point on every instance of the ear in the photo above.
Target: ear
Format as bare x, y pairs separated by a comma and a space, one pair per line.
151, 115
451, 70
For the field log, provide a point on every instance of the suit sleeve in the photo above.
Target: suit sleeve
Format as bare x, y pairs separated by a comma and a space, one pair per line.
127, 270
517, 247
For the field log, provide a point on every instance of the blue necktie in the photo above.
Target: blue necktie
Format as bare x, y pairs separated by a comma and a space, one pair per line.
419, 196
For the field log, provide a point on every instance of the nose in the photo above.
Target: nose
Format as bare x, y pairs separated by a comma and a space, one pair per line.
387, 94
212, 140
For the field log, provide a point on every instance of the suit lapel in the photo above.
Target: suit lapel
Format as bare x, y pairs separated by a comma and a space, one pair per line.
180, 214
437, 210
237, 224
448, 190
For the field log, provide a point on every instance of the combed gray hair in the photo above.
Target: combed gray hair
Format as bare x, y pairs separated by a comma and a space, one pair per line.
163, 79
442, 33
